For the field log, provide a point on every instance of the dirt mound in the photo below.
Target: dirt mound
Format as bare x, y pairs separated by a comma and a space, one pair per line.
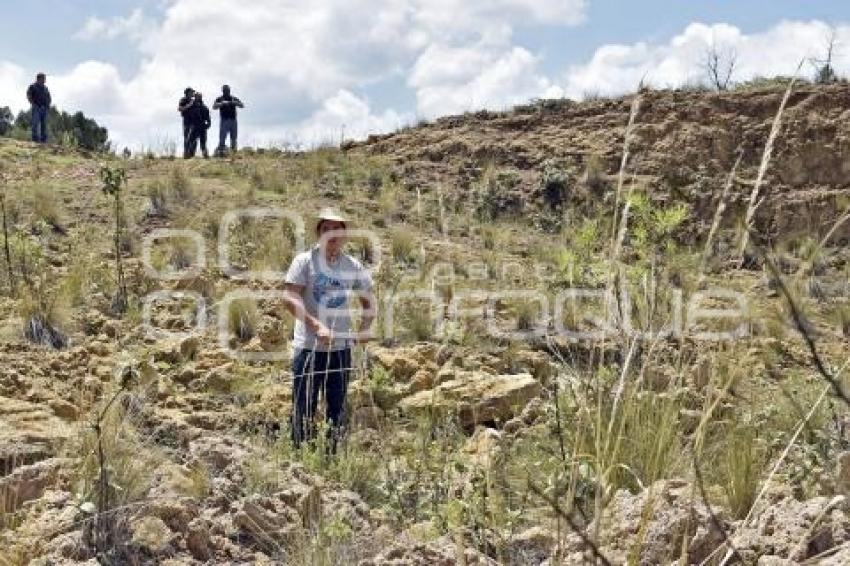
682, 148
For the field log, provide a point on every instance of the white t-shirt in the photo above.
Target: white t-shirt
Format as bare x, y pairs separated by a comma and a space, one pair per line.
328, 289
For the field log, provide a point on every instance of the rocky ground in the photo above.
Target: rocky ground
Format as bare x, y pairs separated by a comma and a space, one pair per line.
142, 436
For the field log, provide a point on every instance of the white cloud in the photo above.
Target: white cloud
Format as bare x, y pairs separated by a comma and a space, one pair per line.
615, 69
134, 26
301, 67
343, 114
457, 79
297, 64
13, 84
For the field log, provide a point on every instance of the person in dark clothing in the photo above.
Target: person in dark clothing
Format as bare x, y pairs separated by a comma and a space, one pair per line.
39, 97
227, 104
199, 123
183, 107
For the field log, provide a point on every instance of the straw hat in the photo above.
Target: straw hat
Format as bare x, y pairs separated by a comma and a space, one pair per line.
331, 214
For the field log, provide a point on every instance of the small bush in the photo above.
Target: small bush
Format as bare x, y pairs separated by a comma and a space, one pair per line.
416, 319
741, 467
374, 183
556, 184
243, 319
43, 318
594, 174
45, 206
403, 245
181, 185
158, 199
497, 194
268, 180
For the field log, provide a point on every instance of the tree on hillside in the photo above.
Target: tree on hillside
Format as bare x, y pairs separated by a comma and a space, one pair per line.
7, 119
824, 70
719, 65
73, 129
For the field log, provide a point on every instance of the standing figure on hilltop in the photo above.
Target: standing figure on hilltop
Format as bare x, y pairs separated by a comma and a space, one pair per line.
320, 285
39, 97
183, 107
199, 123
227, 104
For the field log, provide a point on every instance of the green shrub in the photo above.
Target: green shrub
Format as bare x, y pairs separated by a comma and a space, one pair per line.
496, 194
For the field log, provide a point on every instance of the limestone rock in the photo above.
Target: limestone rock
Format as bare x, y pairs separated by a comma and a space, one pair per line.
476, 397
176, 351
198, 540
29, 482
404, 363
842, 479
269, 521
532, 546
483, 446
218, 452
795, 529
63, 409
442, 552
151, 534
673, 517
28, 432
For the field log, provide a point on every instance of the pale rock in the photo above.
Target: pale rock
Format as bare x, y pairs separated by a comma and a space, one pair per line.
176, 512
404, 363
671, 512
177, 351
28, 432
111, 328
537, 363
63, 409
366, 417
101, 349
483, 447
218, 452
476, 397
186, 375
532, 546
267, 520
779, 527
198, 539
441, 552
151, 534
533, 412
842, 479
29, 482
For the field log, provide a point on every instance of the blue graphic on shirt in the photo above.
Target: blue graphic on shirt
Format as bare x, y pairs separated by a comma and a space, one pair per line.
327, 291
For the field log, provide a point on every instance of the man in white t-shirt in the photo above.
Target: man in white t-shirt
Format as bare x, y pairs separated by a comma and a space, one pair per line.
320, 284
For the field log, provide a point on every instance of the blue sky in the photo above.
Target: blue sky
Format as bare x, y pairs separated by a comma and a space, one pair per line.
304, 69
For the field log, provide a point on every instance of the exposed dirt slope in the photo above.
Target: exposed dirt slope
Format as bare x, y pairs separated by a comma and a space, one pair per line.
684, 145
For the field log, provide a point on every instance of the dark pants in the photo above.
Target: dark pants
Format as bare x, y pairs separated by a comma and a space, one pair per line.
227, 126
187, 131
39, 124
196, 134
314, 372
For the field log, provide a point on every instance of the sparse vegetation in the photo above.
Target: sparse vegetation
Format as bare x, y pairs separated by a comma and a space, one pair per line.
114, 180
590, 437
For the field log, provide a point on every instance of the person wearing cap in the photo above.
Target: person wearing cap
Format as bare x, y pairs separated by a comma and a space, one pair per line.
319, 286
183, 106
226, 104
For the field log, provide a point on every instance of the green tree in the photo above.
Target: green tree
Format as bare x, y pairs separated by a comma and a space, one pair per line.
75, 129
7, 120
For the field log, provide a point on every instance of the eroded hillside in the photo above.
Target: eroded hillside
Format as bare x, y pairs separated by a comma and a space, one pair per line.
573, 363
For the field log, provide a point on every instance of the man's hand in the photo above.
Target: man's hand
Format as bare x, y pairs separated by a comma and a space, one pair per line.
323, 334
364, 336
